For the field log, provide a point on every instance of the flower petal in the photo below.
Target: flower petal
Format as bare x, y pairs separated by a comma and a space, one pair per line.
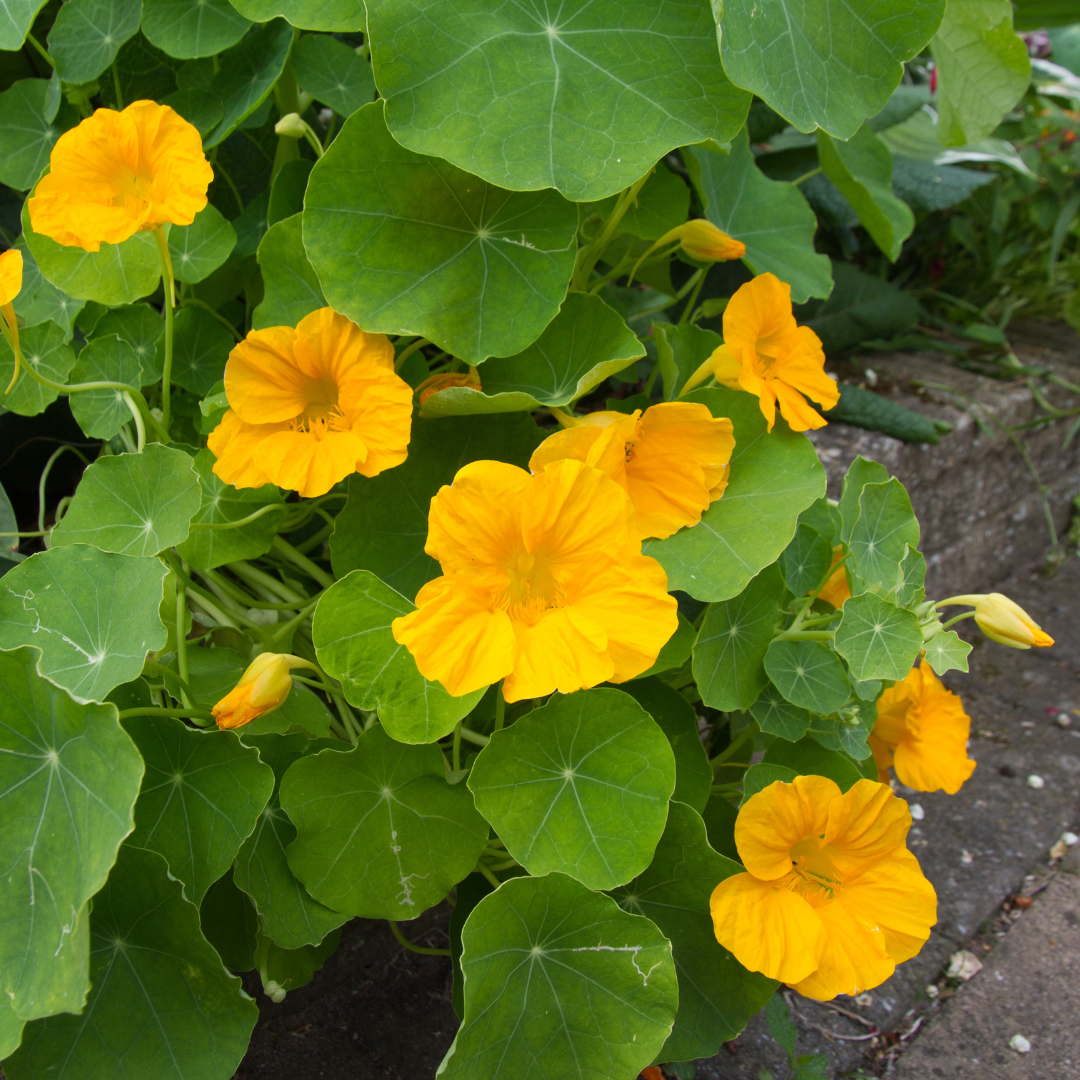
767, 928
795, 409
311, 465
563, 651
237, 447
866, 823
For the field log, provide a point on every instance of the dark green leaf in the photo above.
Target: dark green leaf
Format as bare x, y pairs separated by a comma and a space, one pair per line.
87, 35
808, 673
27, 136
185, 29
335, 15
680, 351
808, 758
201, 346
229, 923
662, 204
199, 108
283, 970
16, 18
775, 716
198, 249
41, 301
332, 73
140, 326
43, 348
287, 191
292, 287
806, 560
676, 651
926, 186
102, 413
878, 639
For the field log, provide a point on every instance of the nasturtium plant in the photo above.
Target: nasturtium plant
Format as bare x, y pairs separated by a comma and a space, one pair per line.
432, 513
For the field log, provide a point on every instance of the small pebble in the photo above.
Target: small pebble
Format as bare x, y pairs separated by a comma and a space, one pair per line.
963, 965
1036, 782
932, 991
864, 1001
1069, 839
1063, 720
965, 857
1020, 1044
917, 812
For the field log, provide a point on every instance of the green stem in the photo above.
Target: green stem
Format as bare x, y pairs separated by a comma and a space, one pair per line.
805, 635
181, 634
474, 737
728, 752
806, 176
169, 304
700, 276
261, 512
500, 707
302, 562
254, 576
116, 87
455, 757
492, 879
41, 50
287, 628
140, 427
287, 99
592, 253
44, 479
181, 714
402, 940
956, 619
399, 360
194, 301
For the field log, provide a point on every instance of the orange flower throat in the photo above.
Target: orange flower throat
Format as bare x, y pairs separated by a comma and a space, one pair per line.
532, 588
813, 875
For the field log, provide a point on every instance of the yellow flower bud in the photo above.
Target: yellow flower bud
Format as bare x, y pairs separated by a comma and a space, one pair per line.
445, 380
1004, 621
261, 689
703, 241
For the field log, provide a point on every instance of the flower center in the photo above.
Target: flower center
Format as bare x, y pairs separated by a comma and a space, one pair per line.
764, 362
813, 875
532, 589
322, 413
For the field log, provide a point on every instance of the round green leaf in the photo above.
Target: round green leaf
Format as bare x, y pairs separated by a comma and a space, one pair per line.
809, 674
93, 615
680, 351
860, 472
140, 326
560, 982
117, 274
223, 504
760, 776
102, 413
676, 650
807, 757
583, 97
717, 995
289, 914
161, 1003
201, 797
332, 73
43, 348
379, 831
198, 249
69, 777
134, 504
884, 531
729, 654
770, 217
774, 477
775, 716
383, 526
87, 35
579, 786
823, 64
581, 347
201, 347
16, 18
947, 651
806, 560
27, 136
341, 16
198, 107
355, 644
41, 301
405, 244
292, 288
246, 74
878, 640
678, 721
185, 29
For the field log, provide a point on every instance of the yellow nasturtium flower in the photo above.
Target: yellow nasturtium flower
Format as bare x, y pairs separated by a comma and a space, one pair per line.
765, 352
831, 900
310, 406
262, 688
672, 459
544, 584
119, 173
922, 732
1002, 620
701, 240
11, 271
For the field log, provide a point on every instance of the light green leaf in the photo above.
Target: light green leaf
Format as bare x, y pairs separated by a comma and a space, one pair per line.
223, 504
198, 249
201, 347
678, 721
862, 169
717, 995
11, 1028
246, 74
186, 30
807, 757
291, 284
680, 351
580, 786
201, 797
877, 639
288, 912
335, 15
808, 673
140, 326
910, 583
87, 35
93, 615
770, 217
806, 560
43, 348
824, 64
117, 274
982, 69
16, 18
850, 739
860, 473
947, 651
729, 656
419, 837
774, 477
554, 974
886, 527
355, 644
760, 776
69, 777
583, 98
102, 413
41, 301
581, 347
405, 244
133, 504
775, 716
332, 73
383, 526
161, 1003
27, 136
287, 190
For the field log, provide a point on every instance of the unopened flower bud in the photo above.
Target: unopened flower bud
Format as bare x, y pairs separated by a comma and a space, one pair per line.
703, 241
261, 689
290, 124
1004, 621
444, 380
